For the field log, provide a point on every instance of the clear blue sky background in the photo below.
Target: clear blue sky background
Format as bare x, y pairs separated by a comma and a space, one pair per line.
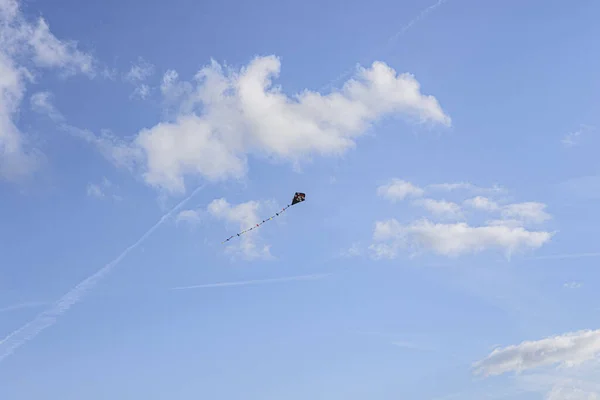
516, 78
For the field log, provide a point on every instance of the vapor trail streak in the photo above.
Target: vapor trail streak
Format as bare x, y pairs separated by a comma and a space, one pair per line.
47, 318
255, 282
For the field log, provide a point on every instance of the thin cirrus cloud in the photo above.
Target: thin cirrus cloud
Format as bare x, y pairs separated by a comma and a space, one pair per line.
508, 234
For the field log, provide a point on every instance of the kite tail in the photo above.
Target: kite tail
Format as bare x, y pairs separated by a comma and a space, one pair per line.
257, 225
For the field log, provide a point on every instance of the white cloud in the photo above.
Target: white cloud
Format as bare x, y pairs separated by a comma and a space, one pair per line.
571, 393
115, 150
572, 138
94, 190
572, 285
142, 91
441, 208
22, 41
528, 212
568, 350
140, 71
242, 114
575, 383
99, 190
482, 203
449, 187
353, 251
50, 52
451, 239
41, 102
398, 189
242, 216
521, 213
190, 216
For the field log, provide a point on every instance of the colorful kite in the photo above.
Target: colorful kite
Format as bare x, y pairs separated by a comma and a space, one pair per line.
298, 198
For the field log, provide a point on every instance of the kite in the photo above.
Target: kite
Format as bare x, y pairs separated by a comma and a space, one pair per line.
298, 198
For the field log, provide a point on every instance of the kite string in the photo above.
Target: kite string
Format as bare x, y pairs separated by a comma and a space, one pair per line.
257, 225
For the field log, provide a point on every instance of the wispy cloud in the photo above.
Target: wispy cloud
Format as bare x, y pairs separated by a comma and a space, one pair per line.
25, 48
572, 138
139, 72
562, 256
41, 103
353, 251
47, 318
190, 216
572, 285
256, 281
100, 189
569, 350
20, 306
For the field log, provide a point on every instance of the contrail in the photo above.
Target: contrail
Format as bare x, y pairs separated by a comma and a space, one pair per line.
255, 282
560, 256
390, 40
47, 318
20, 306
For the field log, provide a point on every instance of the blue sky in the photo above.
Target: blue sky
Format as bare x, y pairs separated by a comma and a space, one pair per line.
446, 249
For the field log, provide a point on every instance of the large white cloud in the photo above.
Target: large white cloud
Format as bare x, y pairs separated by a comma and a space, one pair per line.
570, 349
225, 115
23, 46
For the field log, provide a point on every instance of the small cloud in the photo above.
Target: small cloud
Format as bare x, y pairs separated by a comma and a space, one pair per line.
569, 350
190, 216
41, 103
398, 189
354, 251
142, 91
530, 211
243, 216
442, 208
99, 190
482, 203
94, 190
572, 138
140, 71
572, 285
